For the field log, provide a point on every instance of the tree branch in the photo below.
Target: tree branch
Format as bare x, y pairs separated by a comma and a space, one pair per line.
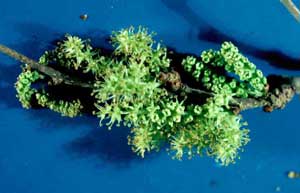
56, 76
282, 89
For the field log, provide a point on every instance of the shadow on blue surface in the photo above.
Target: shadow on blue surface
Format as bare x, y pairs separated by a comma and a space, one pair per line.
8, 76
207, 32
37, 38
108, 146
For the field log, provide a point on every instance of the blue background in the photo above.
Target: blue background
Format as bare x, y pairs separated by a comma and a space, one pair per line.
41, 152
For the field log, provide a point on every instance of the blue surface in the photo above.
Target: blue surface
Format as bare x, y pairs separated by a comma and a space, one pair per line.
41, 152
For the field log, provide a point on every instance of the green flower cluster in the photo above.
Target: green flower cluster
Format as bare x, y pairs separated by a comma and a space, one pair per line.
75, 53
250, 80
131, 95
247, 72
128, 91
125, 83
69, 109
191, 64
123, 86
23, 86
139, 46
129, 81
155, 125
210, 128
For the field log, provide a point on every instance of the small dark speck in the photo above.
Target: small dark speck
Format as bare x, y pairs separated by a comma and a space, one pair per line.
83, 17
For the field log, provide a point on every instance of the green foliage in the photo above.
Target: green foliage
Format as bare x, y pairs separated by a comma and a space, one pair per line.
128, 91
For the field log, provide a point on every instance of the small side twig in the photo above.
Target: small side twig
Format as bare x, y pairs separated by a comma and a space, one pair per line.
291, 7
